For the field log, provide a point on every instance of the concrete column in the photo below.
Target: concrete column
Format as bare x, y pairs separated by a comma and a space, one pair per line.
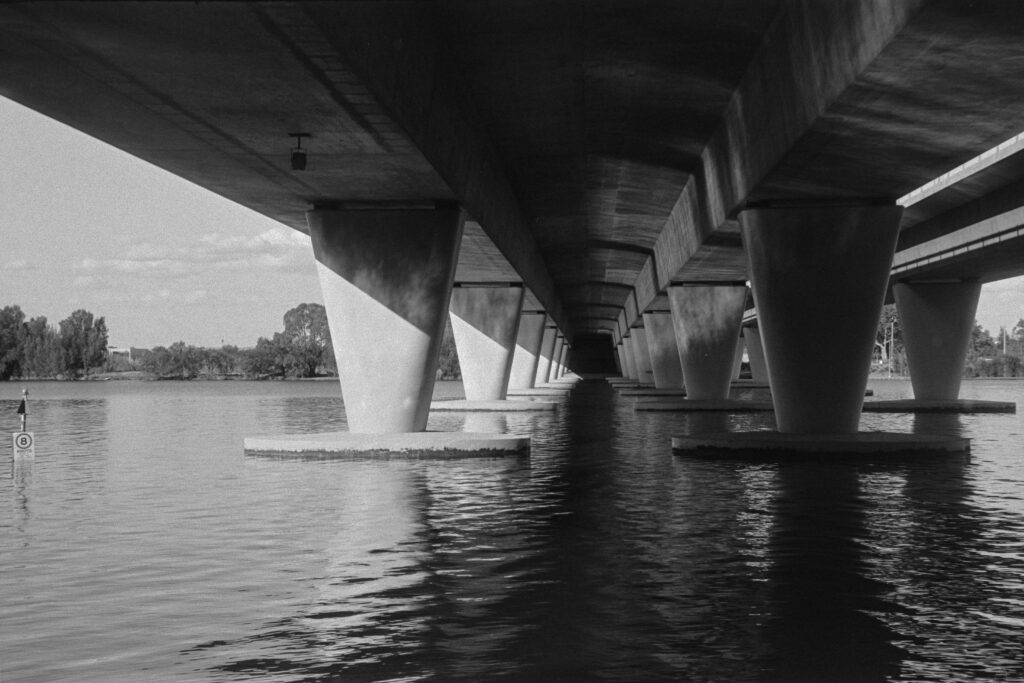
485, 322
642, 356
936, 319
663, 350
737, 358
819, 276
547, 351
386, 276
527, 353
556, 355
707, 321
620, 351
563, 362
755, 353
627, 352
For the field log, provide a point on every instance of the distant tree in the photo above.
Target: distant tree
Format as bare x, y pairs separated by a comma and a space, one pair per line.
889, 324
1017, 337
221, 362
84, 342
981, 345
184, 361
306, 337
448, 358
268, 358
12, 341
43, 351
154, 361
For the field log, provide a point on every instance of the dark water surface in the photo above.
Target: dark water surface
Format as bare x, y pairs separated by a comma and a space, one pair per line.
143, 544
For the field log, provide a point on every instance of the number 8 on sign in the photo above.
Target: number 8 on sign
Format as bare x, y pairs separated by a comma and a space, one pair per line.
24, 444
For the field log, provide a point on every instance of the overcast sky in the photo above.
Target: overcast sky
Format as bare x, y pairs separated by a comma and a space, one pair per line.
84, 225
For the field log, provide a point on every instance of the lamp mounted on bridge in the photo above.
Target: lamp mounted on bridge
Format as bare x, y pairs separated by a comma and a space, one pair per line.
299, 154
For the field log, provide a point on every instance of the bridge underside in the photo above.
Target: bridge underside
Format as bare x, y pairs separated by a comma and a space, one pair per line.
601, 150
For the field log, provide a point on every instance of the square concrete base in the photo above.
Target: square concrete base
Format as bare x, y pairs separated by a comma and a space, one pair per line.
540, 391
961, 405
412, 445
764, 443
649, 391
462, 406
748, 384
686, 405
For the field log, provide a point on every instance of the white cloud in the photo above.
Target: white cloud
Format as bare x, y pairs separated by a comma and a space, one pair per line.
273, 249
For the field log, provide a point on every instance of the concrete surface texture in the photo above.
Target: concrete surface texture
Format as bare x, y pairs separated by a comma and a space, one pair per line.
707, 324
485, 322
936, 319
386, 277
819, 275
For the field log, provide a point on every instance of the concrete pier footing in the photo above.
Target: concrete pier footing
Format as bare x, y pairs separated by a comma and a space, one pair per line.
502, 406
819, 275
412, 445
485, 322
957, 405
773, 444
724, 405
707, 324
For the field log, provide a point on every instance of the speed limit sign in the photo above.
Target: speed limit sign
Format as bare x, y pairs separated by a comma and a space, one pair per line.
24, 444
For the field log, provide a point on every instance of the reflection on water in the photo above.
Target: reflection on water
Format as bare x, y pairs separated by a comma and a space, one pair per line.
142, 543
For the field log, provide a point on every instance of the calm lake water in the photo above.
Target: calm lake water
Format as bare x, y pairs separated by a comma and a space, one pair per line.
143, 544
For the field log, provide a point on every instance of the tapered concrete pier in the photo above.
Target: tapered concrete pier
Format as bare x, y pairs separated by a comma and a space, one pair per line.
641, 356
386, 276
527, 353
485, 322
937, 319
547, 352
755, 354
803, 260
707, 323
666, 369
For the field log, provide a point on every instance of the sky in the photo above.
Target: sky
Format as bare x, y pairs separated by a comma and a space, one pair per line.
85, 225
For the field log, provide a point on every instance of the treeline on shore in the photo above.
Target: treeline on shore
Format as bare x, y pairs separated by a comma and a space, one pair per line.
77, 348
987, 356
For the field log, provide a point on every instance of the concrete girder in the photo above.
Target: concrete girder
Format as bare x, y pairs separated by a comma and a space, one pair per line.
837, 73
